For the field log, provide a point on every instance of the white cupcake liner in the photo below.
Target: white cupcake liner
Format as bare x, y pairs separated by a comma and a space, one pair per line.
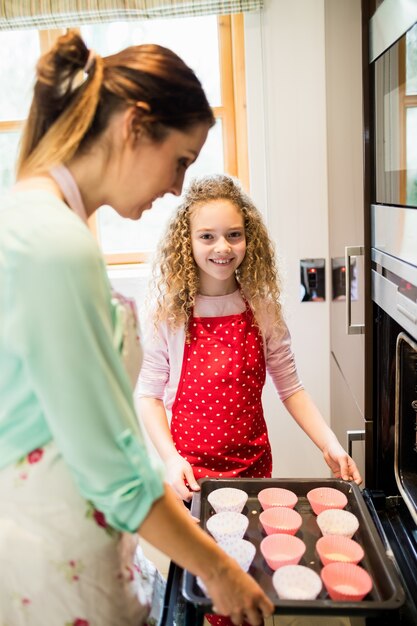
240, 550
227, 525
227, 499
296, 582
338, 522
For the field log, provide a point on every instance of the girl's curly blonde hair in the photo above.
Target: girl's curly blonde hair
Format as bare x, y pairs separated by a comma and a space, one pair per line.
175, 273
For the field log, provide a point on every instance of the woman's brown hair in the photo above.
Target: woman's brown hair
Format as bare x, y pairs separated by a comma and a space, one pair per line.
67, 114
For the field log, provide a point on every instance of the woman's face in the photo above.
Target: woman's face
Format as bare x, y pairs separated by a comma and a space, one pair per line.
148, 169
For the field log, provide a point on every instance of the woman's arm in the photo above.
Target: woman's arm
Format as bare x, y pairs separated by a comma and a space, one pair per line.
169, 527
179, 471
65, 339
307, 415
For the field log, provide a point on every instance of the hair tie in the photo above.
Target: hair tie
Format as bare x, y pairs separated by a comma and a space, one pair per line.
90, 60
143, 105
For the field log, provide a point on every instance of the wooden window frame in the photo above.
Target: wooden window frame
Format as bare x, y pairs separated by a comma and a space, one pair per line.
46, 39
405, 102
232, 112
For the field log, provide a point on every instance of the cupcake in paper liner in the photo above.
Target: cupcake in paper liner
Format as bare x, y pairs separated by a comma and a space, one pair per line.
323, 498
227, 499
296, 582
227, 525
240, 550
277, 496
338, 522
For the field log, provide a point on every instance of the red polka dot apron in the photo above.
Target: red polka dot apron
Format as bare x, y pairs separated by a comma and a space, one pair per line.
217, 422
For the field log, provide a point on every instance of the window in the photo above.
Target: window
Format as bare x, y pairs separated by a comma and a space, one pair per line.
16, 72
408, 117
20, 50
396, 122
212, 46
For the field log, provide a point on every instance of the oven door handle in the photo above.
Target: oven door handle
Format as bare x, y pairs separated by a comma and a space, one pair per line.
351, 329
408, 314
354, 435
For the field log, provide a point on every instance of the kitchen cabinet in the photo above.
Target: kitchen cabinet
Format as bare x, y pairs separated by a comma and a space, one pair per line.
343, 47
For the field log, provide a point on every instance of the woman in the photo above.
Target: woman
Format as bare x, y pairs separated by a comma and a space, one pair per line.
74, 472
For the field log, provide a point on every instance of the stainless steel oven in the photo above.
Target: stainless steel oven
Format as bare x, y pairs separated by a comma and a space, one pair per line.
391, 495
390, 140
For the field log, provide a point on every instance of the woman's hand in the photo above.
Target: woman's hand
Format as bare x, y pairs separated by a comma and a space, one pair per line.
341, 464
237, 595
234, 593
179, 475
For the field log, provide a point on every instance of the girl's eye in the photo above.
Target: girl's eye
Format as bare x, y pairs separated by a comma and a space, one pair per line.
236, 234
205, 236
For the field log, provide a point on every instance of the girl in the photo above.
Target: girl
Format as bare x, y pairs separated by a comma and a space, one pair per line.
217, 328
74, 471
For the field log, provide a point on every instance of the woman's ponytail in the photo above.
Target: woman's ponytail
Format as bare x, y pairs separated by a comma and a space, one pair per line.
63, 106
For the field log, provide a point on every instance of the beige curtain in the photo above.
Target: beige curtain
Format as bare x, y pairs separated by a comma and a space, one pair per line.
16, 14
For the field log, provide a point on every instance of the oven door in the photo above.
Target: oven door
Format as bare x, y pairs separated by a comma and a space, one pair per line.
392, 496
392, 503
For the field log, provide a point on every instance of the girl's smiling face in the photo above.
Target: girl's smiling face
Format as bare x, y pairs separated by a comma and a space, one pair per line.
218, 244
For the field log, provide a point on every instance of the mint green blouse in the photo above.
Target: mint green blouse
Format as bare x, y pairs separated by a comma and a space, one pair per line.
61, 376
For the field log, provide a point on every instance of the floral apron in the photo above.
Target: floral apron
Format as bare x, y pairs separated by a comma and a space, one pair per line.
61, 564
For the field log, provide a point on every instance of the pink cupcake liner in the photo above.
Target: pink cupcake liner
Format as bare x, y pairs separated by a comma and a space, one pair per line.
338, 548
277, 496
281, 549
323, 498
346, 581
280, 519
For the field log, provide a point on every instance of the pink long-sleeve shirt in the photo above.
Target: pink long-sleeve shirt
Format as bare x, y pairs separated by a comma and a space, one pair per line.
164, 350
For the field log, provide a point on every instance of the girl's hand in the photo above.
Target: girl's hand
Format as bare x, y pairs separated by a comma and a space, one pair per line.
237, 595
179, 475
341, 464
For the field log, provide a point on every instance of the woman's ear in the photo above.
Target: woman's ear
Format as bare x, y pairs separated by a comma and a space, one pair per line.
132, 127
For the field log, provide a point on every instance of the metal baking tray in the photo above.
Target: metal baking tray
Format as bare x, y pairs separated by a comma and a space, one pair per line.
387, 593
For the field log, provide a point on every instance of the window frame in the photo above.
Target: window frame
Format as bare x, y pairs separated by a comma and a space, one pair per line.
232, 113
46, 40
405, 102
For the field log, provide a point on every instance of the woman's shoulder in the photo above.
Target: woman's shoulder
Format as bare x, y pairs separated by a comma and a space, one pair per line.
37, 225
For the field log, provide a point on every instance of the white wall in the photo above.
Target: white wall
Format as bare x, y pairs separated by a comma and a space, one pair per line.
285, 64
285, 61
